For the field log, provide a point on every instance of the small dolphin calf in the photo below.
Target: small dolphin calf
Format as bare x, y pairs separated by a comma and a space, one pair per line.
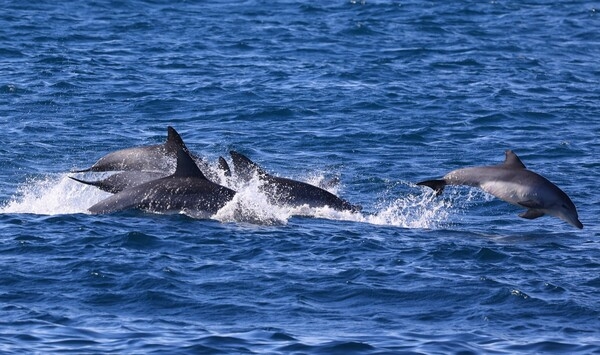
513, 183
159, 157
286, 191
186, 190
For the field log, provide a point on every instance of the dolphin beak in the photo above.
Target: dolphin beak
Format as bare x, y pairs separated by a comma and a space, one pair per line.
574, 221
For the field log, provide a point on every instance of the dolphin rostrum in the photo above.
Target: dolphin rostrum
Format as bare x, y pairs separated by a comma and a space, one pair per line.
159, 157
512, 182
286, 191
186, 190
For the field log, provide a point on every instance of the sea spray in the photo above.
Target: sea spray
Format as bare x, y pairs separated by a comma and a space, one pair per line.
52, 194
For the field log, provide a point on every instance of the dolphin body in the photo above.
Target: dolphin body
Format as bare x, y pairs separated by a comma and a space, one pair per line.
159, 157
286, 191
185, 190
513, 183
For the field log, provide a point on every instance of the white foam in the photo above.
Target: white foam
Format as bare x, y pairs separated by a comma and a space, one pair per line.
251, 205
52, 195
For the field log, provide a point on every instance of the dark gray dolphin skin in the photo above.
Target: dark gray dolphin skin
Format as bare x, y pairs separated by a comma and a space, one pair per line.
159, 157
513, 183
123, 180
286, 191
187, 189
224, 166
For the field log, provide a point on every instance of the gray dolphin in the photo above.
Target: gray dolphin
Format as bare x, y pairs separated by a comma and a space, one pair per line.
159, 157
513, 183
187, 189
286, 191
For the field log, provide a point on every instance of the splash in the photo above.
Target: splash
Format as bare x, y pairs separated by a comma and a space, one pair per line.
56, 194
251, 205
52, 195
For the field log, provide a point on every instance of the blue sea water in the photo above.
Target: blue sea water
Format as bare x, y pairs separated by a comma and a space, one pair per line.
381, 94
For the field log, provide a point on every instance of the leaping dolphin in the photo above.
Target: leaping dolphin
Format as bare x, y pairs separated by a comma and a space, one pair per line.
159, 157
286, 191
513, 183
186, 190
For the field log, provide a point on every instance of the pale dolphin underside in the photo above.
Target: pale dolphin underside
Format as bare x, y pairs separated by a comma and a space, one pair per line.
186, 190
159, 157
513, 183
286, 191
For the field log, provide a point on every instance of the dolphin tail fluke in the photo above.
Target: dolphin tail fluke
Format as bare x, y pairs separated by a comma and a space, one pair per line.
436, 185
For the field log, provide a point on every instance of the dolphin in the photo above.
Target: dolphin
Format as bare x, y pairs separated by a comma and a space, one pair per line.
185, 190
513, 183
123, 180
287, 191
159, 157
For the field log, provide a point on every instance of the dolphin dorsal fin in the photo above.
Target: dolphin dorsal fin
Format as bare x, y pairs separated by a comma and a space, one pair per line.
224, 166
513, 161
174, 141
186, 167
245, 167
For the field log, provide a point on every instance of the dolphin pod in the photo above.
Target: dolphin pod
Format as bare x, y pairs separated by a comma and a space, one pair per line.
187, 189
144, 179
512, 182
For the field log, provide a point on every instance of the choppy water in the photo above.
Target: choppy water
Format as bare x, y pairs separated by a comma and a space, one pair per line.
381, 94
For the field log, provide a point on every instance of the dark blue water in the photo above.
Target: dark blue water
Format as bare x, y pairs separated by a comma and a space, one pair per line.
381, 94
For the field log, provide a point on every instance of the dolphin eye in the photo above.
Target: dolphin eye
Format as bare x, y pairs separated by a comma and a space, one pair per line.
564, 206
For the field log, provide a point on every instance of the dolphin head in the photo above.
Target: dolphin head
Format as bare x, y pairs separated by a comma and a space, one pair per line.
565, 210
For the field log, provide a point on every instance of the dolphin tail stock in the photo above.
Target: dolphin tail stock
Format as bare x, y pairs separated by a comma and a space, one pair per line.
436, 185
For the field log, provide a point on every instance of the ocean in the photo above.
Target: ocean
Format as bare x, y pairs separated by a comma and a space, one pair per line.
376, 94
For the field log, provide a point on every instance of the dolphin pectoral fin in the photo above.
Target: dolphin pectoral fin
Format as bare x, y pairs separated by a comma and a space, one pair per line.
436, 185
531, 204
531, 214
